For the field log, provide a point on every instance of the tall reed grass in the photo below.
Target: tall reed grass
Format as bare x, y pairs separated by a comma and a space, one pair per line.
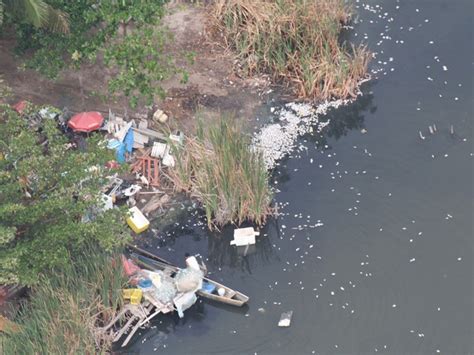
66, 309
296, 41
218, 168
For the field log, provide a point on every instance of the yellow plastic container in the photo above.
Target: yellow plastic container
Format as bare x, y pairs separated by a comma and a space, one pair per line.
127, 293
137, 221
134, 295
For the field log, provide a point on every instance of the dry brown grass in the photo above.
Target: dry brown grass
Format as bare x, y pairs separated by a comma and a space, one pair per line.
67, 309
296, 41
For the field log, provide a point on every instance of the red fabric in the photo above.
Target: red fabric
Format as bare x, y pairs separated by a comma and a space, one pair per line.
20, 106
129, 267
112, 164
86, 121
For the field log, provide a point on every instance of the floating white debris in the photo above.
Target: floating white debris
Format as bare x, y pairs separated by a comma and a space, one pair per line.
285, 319
244, 236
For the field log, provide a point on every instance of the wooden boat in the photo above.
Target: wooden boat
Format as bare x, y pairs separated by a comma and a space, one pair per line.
210, 287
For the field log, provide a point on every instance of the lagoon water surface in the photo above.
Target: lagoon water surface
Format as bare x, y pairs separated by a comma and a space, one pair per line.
373, 251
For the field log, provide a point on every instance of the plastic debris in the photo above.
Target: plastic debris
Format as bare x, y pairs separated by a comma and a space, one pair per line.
132, 190
244, 236
86, 121
189, 279
159, 150
160, 116
137, 221
183, 301
107, 202
133, 294
177, 137
168, 161
285, 319
129, 267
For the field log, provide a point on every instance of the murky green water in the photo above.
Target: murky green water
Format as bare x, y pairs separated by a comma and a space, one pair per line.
391, 268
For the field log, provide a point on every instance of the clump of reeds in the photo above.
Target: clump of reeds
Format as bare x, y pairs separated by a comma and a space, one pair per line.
296, 41
66, 309
219, 169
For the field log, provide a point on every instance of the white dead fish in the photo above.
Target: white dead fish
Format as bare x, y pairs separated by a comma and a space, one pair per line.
421, 135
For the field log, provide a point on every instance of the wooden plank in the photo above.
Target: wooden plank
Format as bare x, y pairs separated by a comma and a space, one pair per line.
149, 132
140, 138
124, 328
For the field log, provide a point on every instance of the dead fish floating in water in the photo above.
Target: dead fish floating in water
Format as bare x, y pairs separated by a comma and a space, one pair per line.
421, 135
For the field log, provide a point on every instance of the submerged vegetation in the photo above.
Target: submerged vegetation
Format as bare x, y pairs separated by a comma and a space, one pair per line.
67, 308
219, 169
295, 41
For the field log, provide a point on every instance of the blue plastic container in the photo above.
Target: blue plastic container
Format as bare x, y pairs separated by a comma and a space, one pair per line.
144, 284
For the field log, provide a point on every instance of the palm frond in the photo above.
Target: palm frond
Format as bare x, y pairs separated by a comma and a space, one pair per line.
57, 21
38, 13
34, 11
2, 6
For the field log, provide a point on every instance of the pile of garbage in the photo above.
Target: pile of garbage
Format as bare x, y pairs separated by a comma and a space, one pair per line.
146, 151
166, 289
154, 292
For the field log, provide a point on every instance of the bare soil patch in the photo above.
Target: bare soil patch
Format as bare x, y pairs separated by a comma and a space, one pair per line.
212, 86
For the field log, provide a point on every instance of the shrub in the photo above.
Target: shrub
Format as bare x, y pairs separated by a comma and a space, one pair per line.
296, 41
46, 187
218, 168
67, 308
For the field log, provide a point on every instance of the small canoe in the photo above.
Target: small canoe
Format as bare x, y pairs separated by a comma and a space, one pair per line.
210, 287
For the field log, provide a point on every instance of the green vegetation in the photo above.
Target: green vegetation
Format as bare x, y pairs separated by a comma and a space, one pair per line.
296, 41
218, 169
140, 64
124, 33
46, 187
67, 308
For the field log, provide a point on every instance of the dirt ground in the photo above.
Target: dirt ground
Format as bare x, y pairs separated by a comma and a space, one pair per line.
213, 86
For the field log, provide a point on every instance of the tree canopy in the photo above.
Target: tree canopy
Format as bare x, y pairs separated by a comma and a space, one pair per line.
47, 186
125, 33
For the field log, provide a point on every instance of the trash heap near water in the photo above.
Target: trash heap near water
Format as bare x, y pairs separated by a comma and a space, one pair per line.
144, 151
154, 292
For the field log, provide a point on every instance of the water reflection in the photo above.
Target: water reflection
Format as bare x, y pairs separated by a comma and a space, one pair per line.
167, 324
345, 119
222, 254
